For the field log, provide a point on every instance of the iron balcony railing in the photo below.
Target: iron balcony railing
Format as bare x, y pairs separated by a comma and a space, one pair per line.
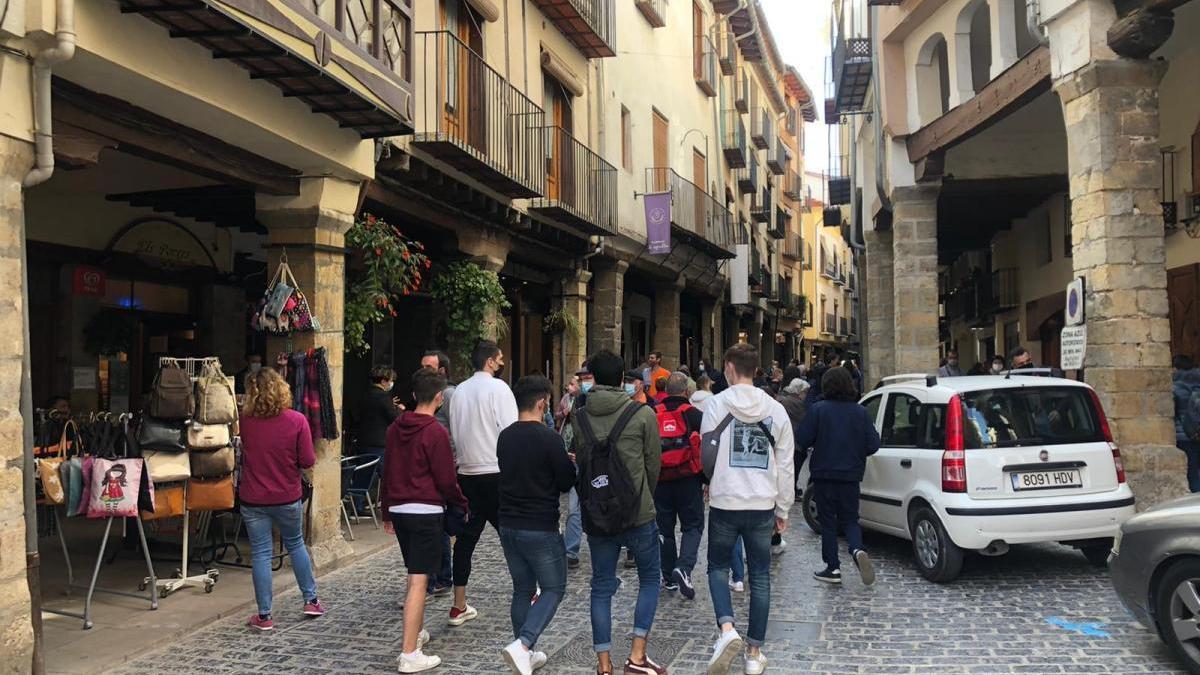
794, 247
854, 325
734, 143
705, 65
829, 323
843, 326
999, 291
695, 212
741, 91
785, 291
760, 128
728, 57
760, 206
807, 262
591, 25
793, 187
383, 28
655, 11
474, 119
580, 186
768, 286
840, 279
747, 183
777, 160
779, 224
851, 58
755, 266
828, 265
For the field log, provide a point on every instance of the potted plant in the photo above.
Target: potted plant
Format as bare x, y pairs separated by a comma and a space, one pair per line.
472, 298
385, 266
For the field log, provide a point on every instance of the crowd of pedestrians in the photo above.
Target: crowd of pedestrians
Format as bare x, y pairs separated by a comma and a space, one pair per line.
637, 452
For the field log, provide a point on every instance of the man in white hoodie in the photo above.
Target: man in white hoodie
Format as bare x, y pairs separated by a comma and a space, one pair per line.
482, 407
749, 495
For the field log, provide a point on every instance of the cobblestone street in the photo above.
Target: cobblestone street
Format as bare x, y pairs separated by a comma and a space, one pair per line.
1037, 610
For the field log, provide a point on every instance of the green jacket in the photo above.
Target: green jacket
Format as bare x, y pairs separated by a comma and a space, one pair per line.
639, 446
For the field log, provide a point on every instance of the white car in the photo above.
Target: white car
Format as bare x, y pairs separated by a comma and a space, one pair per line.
979, 463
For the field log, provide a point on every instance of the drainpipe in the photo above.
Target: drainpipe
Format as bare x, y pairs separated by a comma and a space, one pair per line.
1033, 20
880, 151
63, 50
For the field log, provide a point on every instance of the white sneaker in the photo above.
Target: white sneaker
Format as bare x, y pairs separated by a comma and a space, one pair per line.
517, 658
458, 618
737, 586
418, 661
728, 646
422, 640
756, 665
777, 549
537, 659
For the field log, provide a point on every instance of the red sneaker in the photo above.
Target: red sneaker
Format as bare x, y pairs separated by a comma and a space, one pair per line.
460, 616
260, 623
314, 608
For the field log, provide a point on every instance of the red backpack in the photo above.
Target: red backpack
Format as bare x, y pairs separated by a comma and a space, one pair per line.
680, 449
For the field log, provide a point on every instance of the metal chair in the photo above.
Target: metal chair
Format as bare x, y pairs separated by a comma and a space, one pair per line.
351, 466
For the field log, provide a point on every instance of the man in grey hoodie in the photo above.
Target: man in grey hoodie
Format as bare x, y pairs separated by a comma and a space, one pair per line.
750, 493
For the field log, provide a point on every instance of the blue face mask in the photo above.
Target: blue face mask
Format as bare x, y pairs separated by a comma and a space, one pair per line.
630, 388
586, 386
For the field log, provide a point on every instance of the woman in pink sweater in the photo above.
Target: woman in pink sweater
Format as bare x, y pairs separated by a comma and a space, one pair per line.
276, 447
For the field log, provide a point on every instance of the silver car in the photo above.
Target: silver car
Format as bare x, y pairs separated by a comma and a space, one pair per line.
1155, 567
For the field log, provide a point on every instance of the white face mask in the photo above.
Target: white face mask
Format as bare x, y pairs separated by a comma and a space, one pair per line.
387, 386
255, 367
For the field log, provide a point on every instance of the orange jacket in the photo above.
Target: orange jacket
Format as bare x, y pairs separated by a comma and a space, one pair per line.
654, 375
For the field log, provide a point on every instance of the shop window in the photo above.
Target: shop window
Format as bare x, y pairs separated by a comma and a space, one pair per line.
146, 296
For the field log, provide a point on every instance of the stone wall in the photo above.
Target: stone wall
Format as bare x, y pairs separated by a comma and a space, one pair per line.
915, 272
879, 341
605, 315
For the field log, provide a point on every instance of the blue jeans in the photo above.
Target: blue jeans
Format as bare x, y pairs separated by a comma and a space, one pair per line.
573, 538
754, 528
642, 542
535, 559
837, 504
446, 576
682, 499
289, 519
1192, 449
737, 564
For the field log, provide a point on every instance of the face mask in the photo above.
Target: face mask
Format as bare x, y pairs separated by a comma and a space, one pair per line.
953, 363
630, 388
255, 367
997, 368
585, 387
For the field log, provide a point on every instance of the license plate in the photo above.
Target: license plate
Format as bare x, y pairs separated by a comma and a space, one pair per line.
1046, 480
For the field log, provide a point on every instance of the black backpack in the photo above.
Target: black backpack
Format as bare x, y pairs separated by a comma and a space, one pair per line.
608, 499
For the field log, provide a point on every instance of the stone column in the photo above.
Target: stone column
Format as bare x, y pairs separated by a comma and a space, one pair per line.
666, 322
605, 315
915, 273
1111, 113
573, 342
16, 625
879, 339
489, 250
709, 316
715, 351
312, 227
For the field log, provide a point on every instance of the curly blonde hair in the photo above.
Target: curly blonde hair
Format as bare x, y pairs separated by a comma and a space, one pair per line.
267, 394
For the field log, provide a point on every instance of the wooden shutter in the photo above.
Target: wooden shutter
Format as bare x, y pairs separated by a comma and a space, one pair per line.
697, 40
1183, 289
662, 154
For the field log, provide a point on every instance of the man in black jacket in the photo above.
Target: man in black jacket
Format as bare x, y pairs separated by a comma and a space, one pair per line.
679, 493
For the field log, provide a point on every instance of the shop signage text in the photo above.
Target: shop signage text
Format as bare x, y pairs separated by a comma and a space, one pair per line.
89, 281
1074, 346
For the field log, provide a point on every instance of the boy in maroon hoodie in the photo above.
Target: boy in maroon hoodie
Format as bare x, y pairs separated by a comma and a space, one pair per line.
419, 481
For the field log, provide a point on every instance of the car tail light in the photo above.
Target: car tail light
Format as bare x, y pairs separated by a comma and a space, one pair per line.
1112, 444
954, 459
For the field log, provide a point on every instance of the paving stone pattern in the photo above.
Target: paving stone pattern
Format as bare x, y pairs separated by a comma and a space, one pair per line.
992, 620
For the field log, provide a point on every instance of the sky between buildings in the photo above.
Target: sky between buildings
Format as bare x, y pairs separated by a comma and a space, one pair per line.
801, 30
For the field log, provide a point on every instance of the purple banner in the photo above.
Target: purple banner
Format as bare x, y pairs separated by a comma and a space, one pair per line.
658, 222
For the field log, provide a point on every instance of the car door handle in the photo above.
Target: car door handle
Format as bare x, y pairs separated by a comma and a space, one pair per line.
906, 463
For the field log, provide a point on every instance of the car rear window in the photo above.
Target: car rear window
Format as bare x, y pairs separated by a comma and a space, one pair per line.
998, 418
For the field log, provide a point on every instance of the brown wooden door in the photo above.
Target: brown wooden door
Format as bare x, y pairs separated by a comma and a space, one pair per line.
697, 41
700, 178
462, 74
1183, 289
662, 151
559, 158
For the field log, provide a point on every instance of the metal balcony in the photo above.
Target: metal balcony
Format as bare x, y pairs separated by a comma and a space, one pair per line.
704, 65
473, 119
655, 11
591, 25
793, 187
794, 249
777, 161
696, 217
741, 91
828, 326
760, 128
998, 292
747, 183
728, 57
843, 327
734, 143
581, 188
778, 227
760, 207
851, 60
725, 6
839, 190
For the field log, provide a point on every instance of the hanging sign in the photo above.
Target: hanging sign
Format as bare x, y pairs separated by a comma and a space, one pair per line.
658, 222
1074, 346
739, 276
1074, 309
88, 281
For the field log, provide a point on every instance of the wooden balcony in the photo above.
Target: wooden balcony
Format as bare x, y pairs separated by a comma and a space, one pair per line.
696, 216
655, 11
704, 66
581, 188
353, 62
734, 144
591, 25
473, 119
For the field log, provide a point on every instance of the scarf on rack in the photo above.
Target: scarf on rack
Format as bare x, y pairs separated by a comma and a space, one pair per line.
329, 429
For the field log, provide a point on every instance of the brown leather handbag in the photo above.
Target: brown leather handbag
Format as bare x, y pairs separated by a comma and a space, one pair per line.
168, 502
172, 397
212, 463
210, 494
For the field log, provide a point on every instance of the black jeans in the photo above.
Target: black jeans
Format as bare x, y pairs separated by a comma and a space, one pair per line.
682, 499
483, 496
837, 507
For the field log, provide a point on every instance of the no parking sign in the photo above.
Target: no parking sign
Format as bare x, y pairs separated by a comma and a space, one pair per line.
1073, 343
1074, 311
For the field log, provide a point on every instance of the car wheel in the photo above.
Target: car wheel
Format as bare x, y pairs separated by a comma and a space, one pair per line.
809, 503
1097, 554
1177, 601
938, 559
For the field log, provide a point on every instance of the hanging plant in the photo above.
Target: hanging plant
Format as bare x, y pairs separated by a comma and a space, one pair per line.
109, 332
390, 266
561, 321
473, 298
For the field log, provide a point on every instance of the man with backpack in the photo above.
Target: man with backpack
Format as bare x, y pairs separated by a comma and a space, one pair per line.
680, 492
747, 453
618, 452
1185, 385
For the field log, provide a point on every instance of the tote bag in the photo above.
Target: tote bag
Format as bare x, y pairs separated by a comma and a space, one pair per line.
172, 397
215, 400
115, 487
167, 466
49, 469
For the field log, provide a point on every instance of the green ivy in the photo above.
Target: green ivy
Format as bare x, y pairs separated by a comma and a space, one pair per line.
391, 267
473, 298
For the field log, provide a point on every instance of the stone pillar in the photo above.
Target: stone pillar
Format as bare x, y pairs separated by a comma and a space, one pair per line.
716, 350
312, 227
489, 250
879, 339
605, 315
666, 322
1111, 113
915, 274
709, 317
572, 344
16, 624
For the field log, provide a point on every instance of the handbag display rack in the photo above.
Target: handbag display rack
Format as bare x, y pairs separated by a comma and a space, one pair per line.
193, 367
148, 592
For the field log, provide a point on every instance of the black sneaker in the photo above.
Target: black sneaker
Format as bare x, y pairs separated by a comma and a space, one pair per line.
684, 581
865, 568
572, 563
669, 585
630, 563
829, 575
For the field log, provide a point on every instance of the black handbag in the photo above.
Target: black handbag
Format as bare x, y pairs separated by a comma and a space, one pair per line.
154, 434
455, 521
